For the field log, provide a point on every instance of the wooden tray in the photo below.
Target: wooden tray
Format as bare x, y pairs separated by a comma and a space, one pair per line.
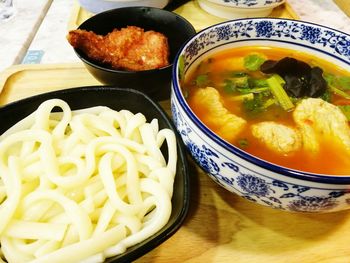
191, 11
20, 81
344, 5
220, 227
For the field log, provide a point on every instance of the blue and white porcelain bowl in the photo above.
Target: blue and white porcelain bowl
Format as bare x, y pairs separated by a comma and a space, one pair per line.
233, 9
241, 173
248, 3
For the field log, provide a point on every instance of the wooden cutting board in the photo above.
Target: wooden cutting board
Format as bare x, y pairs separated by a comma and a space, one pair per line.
220, 227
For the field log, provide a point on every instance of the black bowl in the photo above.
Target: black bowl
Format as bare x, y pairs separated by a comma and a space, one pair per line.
117, 98
157, 82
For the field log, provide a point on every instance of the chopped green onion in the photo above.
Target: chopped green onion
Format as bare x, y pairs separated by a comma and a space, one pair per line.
202, 80
327, 95
248, 96
243, 143
275, 83
253, 62
279, 79
236, 84
257, 83
240, 82
254, 106
341, 82
238, 74
339, 92
229, 86
269, 103
344, 82
253, 90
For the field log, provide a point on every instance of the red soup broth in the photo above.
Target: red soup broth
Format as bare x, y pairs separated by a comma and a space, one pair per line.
332, 159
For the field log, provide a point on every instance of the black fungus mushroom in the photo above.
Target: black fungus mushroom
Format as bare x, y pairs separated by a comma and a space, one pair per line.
301, 79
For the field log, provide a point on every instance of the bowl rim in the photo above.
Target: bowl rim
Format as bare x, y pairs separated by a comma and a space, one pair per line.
120, 9
167, 230
285, 171
242, 7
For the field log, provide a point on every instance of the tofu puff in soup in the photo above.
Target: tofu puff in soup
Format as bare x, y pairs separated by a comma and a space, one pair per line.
284, 106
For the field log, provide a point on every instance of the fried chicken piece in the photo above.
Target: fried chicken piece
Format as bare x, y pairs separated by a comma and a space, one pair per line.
129, 48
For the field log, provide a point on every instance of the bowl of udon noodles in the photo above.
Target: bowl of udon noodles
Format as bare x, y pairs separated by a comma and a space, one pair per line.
87, 176
262, 105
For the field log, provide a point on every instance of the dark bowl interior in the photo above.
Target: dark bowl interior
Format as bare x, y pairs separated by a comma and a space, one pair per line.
117, 98
157, 82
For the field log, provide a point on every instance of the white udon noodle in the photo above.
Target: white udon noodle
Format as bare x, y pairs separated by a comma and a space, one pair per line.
81, 186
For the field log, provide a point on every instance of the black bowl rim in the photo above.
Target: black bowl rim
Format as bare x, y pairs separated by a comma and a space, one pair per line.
163, 234
296, 174
121, 9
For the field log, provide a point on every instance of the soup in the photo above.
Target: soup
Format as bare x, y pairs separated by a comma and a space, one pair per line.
280, 105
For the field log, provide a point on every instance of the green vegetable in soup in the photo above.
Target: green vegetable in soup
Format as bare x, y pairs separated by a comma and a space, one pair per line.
338, 85
260, 83
253, 90
344, 82
243, 143
327, 96
238, 83
229, 86
275, 83
339, 92
243, 97
243, 83
266, 87
341, 82
255, 106
301, 80
253, 62
202, 80
238, 74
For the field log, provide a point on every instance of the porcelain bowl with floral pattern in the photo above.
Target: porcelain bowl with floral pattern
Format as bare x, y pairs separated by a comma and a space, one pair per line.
239, 172
233, 9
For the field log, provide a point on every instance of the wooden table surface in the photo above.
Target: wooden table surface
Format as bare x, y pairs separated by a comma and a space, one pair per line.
220, 226
344, 5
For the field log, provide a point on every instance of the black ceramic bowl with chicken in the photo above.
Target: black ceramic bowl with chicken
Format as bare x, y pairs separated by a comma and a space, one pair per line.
154, 82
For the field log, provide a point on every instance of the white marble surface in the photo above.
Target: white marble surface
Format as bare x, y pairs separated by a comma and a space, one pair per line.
51, 36
17, 33
323, 12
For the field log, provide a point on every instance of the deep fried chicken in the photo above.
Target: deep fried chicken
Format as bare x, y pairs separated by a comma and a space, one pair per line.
129, 48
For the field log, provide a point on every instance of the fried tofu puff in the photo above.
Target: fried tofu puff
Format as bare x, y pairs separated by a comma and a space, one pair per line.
223, 123
315, 117
277, 137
